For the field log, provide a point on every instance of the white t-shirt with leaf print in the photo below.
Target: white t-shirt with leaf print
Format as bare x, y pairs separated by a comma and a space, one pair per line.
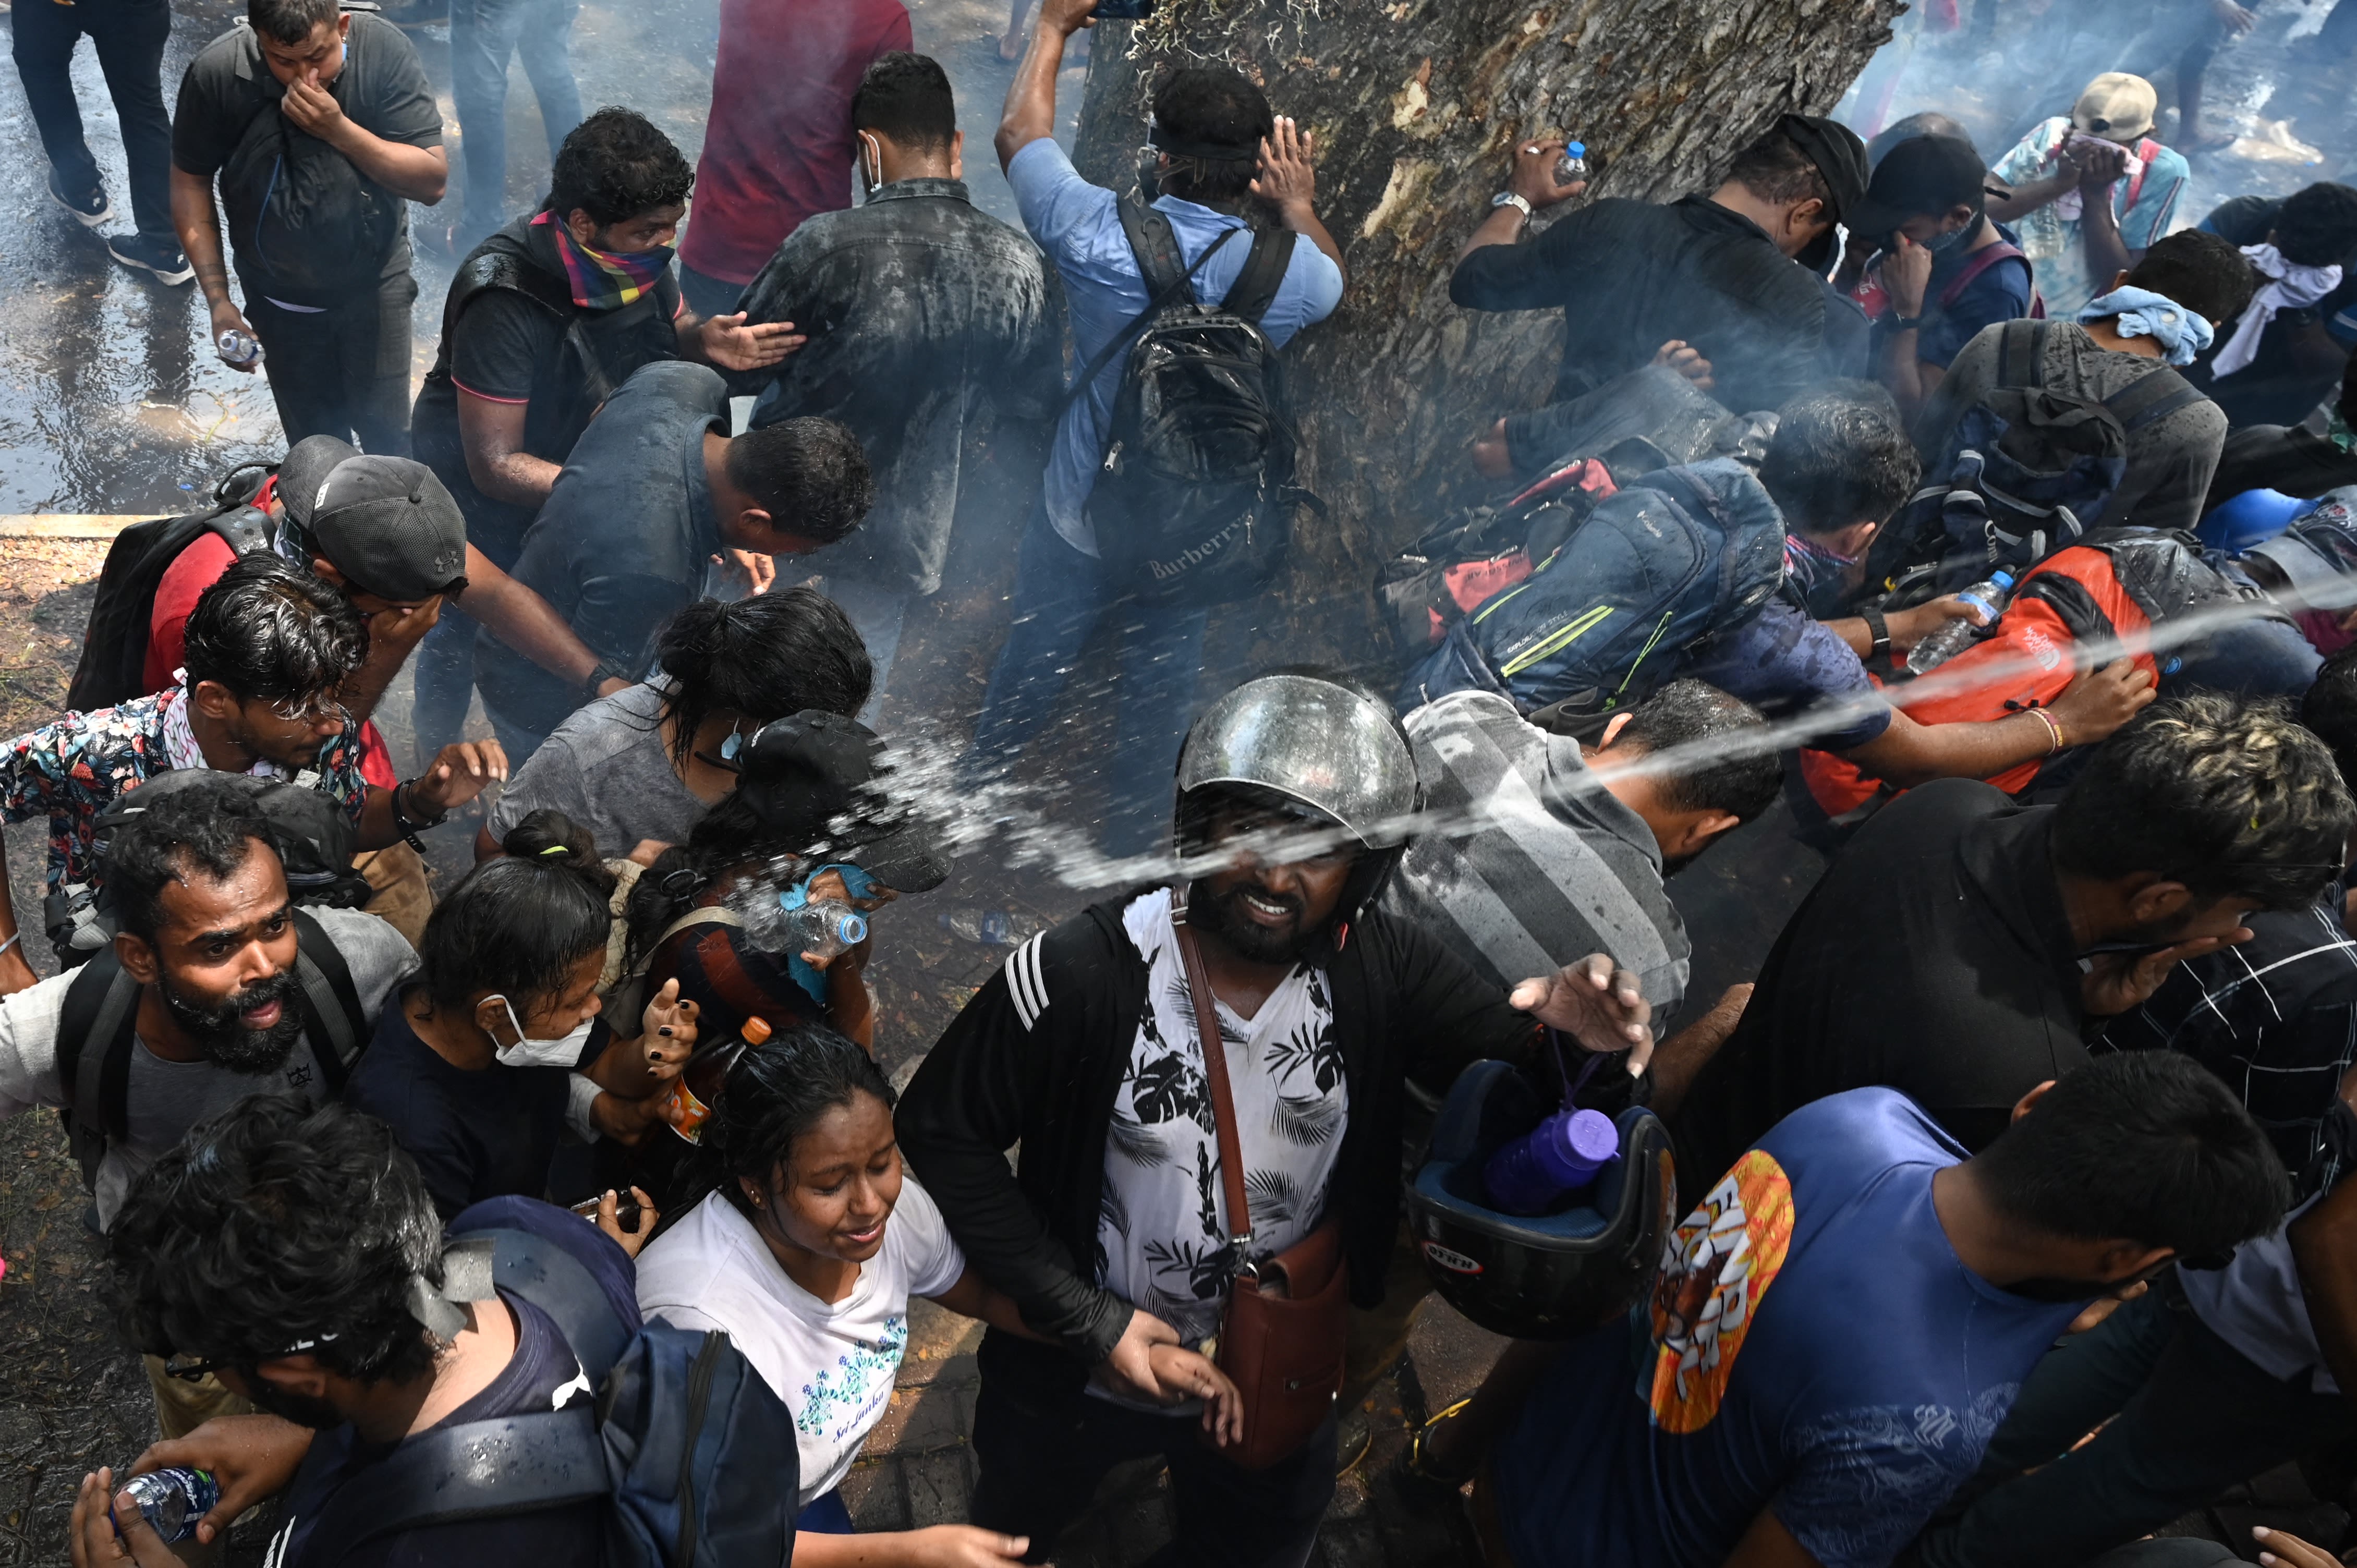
1161, 1227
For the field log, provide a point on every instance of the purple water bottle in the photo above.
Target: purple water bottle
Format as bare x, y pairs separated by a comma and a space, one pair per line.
1529, 1175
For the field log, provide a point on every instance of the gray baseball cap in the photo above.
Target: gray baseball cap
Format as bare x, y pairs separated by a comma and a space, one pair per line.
389, 526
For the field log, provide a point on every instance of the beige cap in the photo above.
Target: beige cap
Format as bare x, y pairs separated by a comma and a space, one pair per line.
2116, 106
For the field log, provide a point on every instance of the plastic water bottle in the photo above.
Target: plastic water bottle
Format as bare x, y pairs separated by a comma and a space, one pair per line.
173, 1500
696, 1089
1572, 167
1955, 635
239, 346
1530, 1174
991, 928
823, 928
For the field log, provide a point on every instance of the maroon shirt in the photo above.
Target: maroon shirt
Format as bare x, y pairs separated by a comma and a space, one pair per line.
778, 145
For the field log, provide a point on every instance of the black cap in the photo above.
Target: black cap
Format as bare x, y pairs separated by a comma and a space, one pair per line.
307, 467
1839, 155
388, 525
1923, 174
812, 778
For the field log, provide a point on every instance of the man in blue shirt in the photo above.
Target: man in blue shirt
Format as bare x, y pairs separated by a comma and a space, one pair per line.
1847, 1316
1222, 150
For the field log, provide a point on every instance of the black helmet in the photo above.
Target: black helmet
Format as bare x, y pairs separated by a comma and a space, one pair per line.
1548, 1276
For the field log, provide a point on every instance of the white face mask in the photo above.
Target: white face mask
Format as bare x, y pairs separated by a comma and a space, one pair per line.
528, 1052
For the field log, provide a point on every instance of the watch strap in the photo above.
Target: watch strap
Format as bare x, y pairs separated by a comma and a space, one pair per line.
1878, 628
1513, 199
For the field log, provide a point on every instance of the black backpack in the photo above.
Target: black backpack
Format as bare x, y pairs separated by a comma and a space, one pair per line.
101, 1007
300, 214
2030, 469
114, 648
694, 1452
1193, 501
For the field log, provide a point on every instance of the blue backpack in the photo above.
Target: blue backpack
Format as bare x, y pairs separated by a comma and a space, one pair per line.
695, 1452
1684, 555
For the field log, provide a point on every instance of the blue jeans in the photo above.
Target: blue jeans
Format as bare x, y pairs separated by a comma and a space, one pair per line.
2189, 1416
483, 34
1060, 597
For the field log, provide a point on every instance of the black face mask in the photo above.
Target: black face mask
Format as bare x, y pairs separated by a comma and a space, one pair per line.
229, 1043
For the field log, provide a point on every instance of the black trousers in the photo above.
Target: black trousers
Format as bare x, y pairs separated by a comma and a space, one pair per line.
130, 35
1041, 1456
342, 371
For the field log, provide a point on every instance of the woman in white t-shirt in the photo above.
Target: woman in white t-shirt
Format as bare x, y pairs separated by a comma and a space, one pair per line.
805, 1253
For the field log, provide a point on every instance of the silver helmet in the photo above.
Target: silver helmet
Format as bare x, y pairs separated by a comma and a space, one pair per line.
1312, 741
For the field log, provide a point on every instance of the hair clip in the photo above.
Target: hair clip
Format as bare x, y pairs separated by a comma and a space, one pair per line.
557, 849
683, 883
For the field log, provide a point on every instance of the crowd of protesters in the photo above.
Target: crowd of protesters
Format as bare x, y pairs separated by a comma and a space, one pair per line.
1978, 522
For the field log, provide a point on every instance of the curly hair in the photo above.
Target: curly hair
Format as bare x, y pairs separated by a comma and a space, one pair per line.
1840, 455
2225, 794
270, 631
208, 826
2317, 227
275, 1228
615, 166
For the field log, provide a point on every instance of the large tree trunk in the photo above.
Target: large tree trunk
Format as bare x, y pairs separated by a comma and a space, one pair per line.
1416, 104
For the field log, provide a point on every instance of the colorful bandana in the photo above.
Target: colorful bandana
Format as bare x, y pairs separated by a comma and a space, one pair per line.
604, 280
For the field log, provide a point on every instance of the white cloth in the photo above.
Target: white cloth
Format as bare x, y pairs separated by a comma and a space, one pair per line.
2288, 287
2255, 1304
1161, 1228
833, 1365
2071, 205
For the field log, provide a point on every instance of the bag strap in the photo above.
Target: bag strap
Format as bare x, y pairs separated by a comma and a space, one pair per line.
1224, 1103
1162, 300
1978, 262
94, 1034
2021, 354
1256, 287
332, 1015
2151, 397
709, 914
497, 1468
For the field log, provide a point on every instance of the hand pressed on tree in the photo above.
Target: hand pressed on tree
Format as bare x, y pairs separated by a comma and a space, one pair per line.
1288, 182
1533, 177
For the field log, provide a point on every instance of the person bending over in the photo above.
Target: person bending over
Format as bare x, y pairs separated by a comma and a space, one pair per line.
488, 1059
1108, 1233
1763, 1427
805, 1244
639, 770
2288, 350
1962, 946
637, 529
269, 649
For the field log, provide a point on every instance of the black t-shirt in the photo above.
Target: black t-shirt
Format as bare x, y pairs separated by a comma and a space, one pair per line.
541, 1365
382, 89
2271, 389
504, 348
473, 1134
1935, 957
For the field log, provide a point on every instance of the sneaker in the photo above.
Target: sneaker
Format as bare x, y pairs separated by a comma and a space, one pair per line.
151, 253
90, 208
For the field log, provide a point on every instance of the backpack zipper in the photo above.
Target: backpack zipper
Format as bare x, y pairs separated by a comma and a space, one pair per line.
1563, 638
699, 1396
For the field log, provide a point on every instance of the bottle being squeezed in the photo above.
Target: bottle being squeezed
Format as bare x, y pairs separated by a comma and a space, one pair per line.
173, 1500
696, 1089
1953, 637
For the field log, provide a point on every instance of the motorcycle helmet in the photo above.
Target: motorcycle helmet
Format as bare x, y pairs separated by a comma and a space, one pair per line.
1546, 1276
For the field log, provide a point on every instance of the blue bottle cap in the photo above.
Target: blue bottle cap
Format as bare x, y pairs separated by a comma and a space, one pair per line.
1577, 149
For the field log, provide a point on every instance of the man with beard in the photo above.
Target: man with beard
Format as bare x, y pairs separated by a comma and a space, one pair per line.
1963, 946
211, 935
1112, 1233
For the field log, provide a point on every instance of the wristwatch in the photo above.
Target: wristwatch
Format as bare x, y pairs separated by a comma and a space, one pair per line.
1905, 323
607, 670
1878, 628
1509, 198
408, 826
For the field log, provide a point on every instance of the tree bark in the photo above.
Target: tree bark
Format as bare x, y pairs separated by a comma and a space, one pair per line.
1416, 104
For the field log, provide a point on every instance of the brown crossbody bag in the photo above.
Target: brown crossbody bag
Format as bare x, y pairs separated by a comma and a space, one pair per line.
1286, 1321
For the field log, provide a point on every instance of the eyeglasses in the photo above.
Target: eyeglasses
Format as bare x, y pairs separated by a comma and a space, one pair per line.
199, 1370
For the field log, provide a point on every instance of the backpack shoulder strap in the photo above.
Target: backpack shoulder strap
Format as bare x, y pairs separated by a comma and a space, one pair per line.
1162, 300
1980, 262
1256, 287
94, 1036
244, 529
479, 1469
2149, 398
1155, 247
2021, 354
332, 1015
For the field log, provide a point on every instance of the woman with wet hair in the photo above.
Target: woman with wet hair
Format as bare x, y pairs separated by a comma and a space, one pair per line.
804, 1245
479, 1069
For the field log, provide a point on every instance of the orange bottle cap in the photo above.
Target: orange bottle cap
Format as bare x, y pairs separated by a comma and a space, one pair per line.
756, 1031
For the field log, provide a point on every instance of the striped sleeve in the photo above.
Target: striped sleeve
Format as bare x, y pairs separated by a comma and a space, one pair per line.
1027, 982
